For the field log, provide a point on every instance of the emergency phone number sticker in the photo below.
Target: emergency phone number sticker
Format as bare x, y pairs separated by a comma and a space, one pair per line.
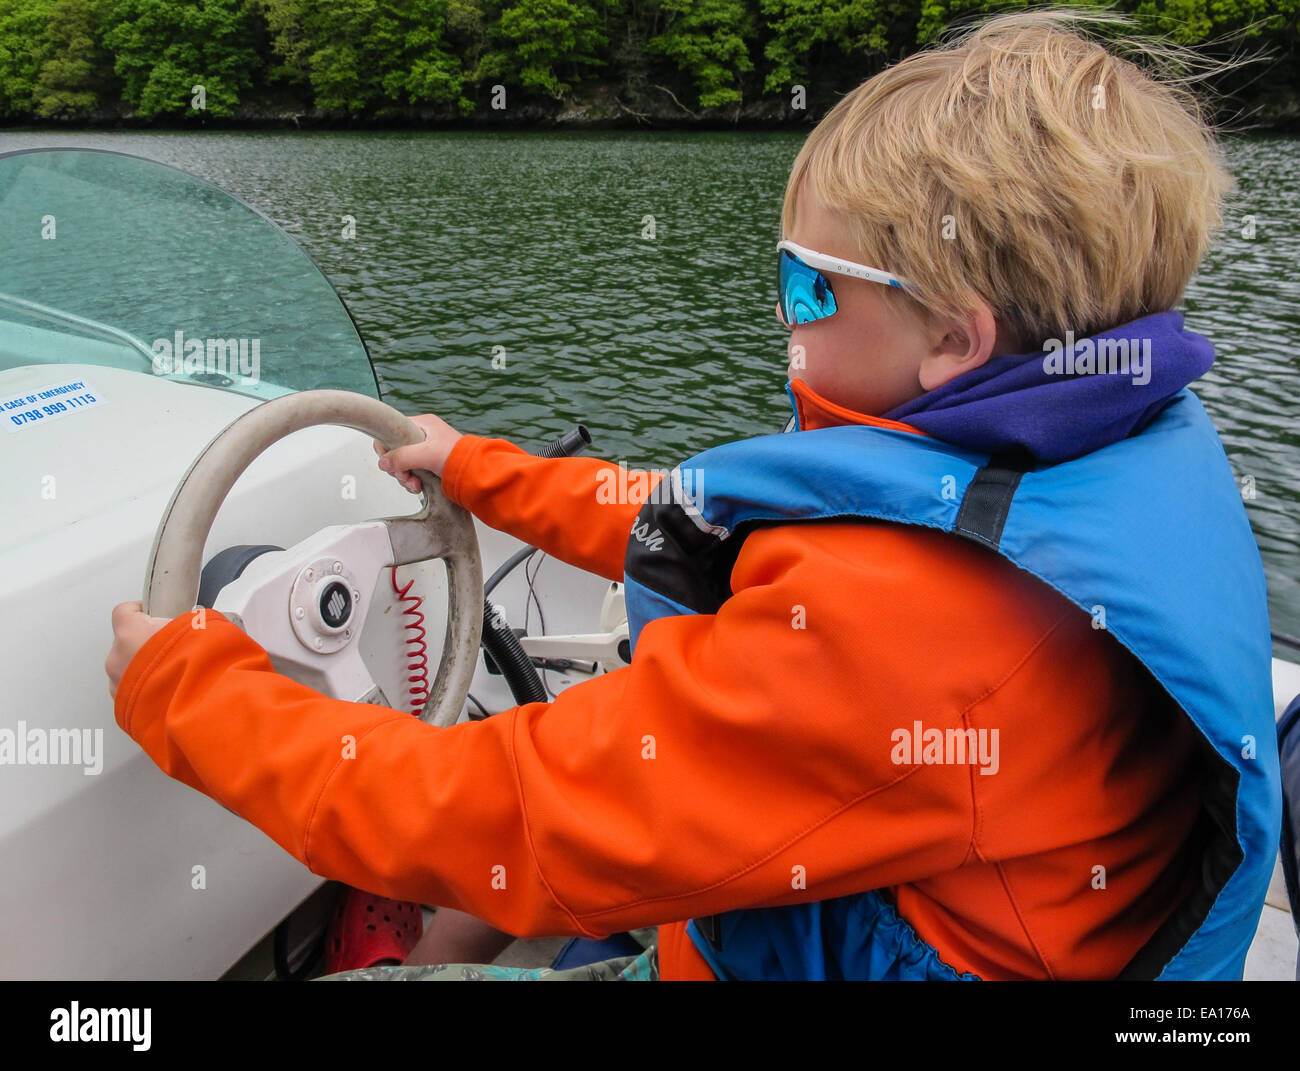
30, 408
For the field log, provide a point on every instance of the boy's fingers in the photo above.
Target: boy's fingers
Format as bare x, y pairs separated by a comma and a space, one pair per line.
405, 458
391, 464
396, 463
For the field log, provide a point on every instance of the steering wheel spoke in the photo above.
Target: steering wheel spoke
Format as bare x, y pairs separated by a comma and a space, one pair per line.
416, 539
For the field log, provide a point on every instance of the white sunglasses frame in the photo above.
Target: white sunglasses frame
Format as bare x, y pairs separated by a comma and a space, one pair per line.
825, 262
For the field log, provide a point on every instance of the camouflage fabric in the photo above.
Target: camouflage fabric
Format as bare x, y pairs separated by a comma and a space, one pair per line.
642, 968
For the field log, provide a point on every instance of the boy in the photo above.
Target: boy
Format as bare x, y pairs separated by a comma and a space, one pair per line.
961, 678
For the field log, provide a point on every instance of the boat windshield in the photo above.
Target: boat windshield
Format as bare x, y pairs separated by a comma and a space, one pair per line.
115, 260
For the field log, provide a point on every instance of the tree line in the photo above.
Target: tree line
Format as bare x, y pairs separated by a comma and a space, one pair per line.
393, 59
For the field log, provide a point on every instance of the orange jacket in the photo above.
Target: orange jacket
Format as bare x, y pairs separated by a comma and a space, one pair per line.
771, 749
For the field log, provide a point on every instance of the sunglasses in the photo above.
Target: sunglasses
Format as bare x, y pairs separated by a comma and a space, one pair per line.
804, 293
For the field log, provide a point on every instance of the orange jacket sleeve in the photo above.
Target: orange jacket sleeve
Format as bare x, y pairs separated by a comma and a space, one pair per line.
577, 509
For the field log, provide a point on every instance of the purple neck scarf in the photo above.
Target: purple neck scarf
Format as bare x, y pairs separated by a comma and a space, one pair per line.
1069, 399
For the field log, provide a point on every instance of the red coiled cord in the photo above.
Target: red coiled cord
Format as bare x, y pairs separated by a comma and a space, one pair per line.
417, 660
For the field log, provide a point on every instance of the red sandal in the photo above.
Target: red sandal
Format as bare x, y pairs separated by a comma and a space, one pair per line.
367, 930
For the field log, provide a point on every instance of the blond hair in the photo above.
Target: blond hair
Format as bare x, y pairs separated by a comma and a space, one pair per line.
1026, 165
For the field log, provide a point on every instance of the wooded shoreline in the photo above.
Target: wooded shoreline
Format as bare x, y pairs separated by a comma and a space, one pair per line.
539, 64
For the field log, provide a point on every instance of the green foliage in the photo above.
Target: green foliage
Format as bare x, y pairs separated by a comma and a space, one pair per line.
362, 56
383, 58
707, 40
541, 36
289, 41
22, 40
1187, 22
937, 15
803, 31
164, 49
1192, 22
73, 71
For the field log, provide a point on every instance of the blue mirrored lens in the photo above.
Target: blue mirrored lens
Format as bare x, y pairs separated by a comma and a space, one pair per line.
804, 292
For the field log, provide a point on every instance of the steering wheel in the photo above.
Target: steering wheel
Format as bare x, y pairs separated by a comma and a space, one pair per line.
306, 605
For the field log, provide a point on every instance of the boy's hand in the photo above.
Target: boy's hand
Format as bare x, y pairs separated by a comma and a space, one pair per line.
430, 455
132, 627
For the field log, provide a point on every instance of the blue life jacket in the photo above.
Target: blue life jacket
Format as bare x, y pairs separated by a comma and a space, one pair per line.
1152, 528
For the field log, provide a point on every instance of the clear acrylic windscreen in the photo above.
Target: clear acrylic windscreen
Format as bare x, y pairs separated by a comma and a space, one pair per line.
115, 260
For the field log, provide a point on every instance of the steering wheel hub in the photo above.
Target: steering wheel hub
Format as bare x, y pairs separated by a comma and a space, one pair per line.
325, 605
